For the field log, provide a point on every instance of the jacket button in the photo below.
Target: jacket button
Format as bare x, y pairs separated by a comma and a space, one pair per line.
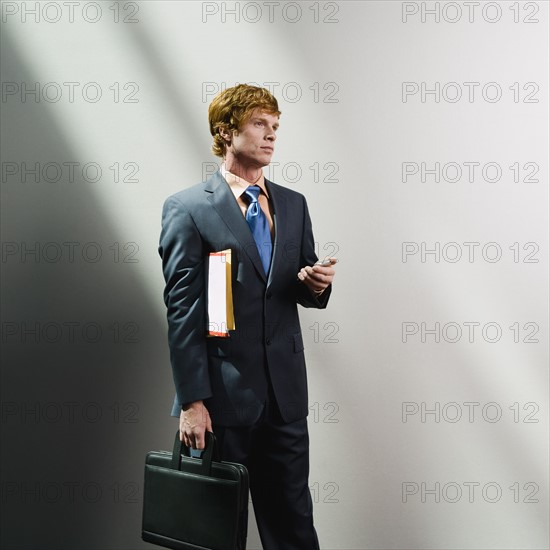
268, 295
268, 341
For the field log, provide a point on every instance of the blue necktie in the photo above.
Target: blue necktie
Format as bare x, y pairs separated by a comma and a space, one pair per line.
259, 226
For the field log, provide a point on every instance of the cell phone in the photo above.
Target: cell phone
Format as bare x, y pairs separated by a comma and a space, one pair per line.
326, 262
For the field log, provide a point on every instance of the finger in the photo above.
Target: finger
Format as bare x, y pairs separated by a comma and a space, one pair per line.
328, 274
316, 281
318, 278
311, 277
199, 440
316, 275
323, 270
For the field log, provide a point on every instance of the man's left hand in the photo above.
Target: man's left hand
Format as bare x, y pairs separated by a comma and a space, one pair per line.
318, 277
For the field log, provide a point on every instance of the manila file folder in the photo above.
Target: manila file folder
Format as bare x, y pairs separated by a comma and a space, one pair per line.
220, 294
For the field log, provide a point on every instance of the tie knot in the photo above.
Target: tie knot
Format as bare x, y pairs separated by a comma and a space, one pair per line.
253, 192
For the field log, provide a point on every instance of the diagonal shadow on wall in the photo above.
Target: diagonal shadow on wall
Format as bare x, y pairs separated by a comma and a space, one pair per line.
86, 383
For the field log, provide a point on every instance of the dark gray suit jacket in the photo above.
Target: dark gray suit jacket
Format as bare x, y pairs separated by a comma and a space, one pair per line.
231, 374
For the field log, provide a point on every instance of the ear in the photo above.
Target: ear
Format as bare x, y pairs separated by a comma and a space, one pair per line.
225, 133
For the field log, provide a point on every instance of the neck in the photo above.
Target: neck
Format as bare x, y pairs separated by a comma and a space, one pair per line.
250, 173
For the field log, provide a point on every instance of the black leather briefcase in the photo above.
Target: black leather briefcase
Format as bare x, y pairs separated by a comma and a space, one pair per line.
194, 503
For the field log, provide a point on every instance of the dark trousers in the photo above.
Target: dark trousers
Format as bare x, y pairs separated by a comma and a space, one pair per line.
277, 457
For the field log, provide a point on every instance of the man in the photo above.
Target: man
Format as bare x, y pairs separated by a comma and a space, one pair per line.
250, 388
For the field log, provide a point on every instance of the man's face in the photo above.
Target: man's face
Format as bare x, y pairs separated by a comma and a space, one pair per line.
253, 145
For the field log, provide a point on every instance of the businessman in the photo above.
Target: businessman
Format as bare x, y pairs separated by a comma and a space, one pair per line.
249, 388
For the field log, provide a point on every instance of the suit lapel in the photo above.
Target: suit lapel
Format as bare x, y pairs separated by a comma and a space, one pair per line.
222, 199
280, 225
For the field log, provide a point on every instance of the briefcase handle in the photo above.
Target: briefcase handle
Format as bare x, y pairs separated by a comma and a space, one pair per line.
210, 451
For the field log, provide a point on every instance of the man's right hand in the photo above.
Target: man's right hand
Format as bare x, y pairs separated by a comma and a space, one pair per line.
194, 422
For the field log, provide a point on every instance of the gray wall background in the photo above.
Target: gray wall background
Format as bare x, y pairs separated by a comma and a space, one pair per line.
416, 443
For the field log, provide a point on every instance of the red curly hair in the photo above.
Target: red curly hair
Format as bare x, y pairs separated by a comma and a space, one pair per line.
232, 107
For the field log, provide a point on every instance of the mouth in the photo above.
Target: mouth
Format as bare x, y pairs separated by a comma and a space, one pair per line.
270, 149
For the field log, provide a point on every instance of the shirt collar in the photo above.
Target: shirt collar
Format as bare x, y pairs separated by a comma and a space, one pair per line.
238, 185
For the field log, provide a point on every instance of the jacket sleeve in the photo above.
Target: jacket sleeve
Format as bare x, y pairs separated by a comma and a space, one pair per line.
181, 250
307, 297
